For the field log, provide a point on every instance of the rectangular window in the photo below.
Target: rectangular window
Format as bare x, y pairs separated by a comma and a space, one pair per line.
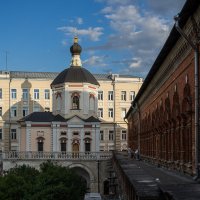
123, 135
110, 95
100, 95
132, 95
110, 112
25, 111
13, 111
40, 146
111, 135
1, 134
13, 93
25, 94
36, 94
87, 147
47, 94
123, 95
123, 113
101, 135
1, 95
100, 112
1, 112
63, 146
13, 134
36, 108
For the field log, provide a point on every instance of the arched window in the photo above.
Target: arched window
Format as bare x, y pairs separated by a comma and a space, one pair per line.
63, 144
75, 102
40, 142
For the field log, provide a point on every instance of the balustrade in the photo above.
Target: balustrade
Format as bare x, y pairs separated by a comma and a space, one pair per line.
31, 155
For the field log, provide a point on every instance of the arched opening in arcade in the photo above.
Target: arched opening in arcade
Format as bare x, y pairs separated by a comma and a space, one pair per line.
84, 174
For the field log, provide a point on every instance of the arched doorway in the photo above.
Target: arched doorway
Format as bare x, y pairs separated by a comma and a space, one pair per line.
85, 177
75, 147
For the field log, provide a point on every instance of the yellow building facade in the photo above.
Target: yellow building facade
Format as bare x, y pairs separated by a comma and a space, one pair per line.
22, 93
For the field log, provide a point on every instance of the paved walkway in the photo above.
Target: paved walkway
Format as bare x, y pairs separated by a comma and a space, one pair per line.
172, 184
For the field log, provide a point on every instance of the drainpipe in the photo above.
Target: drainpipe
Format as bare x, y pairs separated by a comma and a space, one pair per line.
195, 47
9, 137
114, 115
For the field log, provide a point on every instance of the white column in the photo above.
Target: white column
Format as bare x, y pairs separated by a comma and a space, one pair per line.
57, 136
54, 127
93, 139
69, 142
82, 141
97, 137
66, 101
19, 138
28, 137
85, 97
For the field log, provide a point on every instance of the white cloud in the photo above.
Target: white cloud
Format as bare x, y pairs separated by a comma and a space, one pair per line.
137, 32
92, 33
96, 61
136, 62
79, 20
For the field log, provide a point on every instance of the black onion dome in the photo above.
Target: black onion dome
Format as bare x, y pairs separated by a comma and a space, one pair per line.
75, 75
75, 49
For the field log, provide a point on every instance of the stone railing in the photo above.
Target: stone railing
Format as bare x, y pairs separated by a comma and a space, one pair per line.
34, 155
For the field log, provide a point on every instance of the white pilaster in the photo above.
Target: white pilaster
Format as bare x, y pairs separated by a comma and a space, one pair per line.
69, 141
28, 136
82, 141
54, 137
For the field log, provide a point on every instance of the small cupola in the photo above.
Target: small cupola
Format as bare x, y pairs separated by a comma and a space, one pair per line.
75, 49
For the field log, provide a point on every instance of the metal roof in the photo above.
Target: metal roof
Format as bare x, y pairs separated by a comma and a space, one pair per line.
53, 75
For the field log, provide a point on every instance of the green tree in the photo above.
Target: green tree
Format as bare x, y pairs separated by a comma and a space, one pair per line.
51, 182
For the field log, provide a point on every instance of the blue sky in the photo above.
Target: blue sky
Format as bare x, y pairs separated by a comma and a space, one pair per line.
118, 36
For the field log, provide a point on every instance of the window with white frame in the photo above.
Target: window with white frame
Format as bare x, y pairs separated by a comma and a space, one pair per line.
36, 108
110, 95
123, 135
63, 144
75, 102
101, 135
13, 111
13, 134
1, 112
123, 113
100, 95
100, 112
13, 93
47, 94
25, 94
25, 111
123, 95
1, 94
36, 94
110, 112
132, 95
111, 135
1, 134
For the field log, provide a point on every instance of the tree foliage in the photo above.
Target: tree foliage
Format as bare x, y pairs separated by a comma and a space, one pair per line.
51, 182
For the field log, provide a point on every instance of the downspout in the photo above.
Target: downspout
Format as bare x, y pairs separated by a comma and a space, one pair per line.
195, 47
114, 116
9, 136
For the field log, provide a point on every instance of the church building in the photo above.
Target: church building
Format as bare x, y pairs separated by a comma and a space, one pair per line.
72, 125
